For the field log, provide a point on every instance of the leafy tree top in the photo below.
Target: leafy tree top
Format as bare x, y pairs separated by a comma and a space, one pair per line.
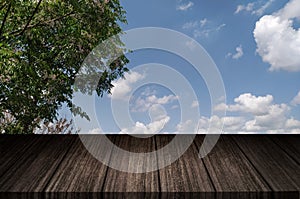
42, 46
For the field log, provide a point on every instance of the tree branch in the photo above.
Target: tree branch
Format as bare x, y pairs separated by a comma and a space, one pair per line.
31, 17
4, 4
4, 19
19, 32
51, 20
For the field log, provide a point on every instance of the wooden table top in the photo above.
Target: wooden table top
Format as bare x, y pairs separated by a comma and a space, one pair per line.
239, 166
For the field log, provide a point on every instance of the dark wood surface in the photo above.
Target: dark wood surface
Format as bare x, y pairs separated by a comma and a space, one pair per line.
239, 166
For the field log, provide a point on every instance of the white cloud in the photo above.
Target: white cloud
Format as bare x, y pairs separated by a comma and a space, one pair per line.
263, 8
195, 104
249, 103
238, 54
163, 100
233, 124
201, 28
230, 124
203, 22
191, 24
186, 126
159, 120
278, 43
256, 8
149, 91
95, 131
143, 104
296, 100
220, 27
206, 32
258, 114
201, 33
290, 10
123, 86
248, 7
185, 6
292, 123
274, 119
220, 107
195, 24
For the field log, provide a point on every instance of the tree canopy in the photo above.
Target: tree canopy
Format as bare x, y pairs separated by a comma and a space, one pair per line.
42, 46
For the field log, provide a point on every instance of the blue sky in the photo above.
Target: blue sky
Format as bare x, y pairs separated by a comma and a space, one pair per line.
254, 44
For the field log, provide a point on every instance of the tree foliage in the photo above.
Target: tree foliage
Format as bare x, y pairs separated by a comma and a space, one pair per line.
62, 126
42, 46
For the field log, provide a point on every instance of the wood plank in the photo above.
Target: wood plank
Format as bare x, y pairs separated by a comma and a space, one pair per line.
230, 170
8, 142
240, 166
280, 171
119, 181
290, 144
35, 167
16, 145
187, 174
80, 171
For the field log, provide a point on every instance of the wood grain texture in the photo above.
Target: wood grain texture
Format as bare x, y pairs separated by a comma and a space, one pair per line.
16, 145
35, 167
122, 181
230, 170
80, 171
239, 166
290, 144
187, 174
280, 171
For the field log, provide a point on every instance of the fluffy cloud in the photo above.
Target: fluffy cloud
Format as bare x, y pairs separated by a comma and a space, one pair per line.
233, 124
186, 126
151, 128
239, 53
292, 123
230, 124
95, 131
124, 86
274, 119
143, 104
185, 6
296, 100
278, 43
249, 103
220, 107
159, 119
290, 10
257, 114
163, 100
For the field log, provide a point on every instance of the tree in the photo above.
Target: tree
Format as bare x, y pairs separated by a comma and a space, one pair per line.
42, 46
62, 126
